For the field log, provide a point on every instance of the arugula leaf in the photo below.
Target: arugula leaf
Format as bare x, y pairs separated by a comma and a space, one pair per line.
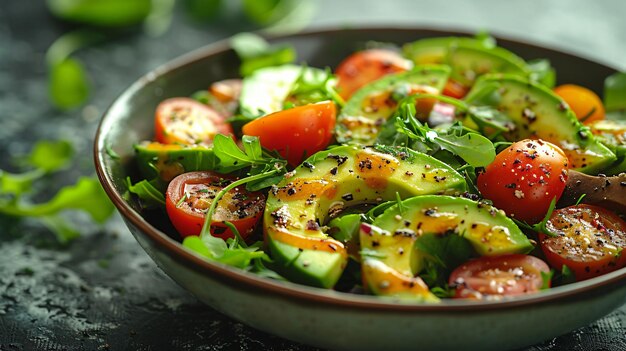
18, 184
615, 96
86, 195
442, 253
252, 147
147, 191
472, 147
256, 53
542, 71
314, 85
68, 84
50, 156
232, 158
216, 249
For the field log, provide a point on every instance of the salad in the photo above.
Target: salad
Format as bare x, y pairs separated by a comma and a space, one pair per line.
446, 168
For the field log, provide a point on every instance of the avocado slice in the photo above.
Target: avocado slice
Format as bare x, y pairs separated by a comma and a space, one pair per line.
363, 116
391, 240
536, 112
326, 183
166, 161
468, 57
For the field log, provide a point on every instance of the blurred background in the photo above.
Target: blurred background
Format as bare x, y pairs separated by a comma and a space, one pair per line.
62, 62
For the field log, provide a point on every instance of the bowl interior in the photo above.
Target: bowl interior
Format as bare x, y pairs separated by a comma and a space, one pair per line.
130, 118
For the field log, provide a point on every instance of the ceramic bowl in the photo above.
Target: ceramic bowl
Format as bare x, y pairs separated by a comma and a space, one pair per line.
326, 318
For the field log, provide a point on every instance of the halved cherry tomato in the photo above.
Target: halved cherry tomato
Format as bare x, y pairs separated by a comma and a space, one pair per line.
187, 121
586, 104
367, 66
524, 178
190, 194
589, 240
296, 133
496, 276
226, 90
455, 89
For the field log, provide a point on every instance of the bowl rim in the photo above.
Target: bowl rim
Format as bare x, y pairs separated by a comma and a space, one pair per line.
302, 293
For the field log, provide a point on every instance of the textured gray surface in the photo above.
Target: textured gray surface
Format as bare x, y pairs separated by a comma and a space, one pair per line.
102, 291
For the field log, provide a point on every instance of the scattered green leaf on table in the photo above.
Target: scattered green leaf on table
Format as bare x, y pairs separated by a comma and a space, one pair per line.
51, 156
104, 13
68, 84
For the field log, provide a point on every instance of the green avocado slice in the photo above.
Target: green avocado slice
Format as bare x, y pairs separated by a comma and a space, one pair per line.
363, 116
469, 58
392, 239
299, 206
166, 161
536, 112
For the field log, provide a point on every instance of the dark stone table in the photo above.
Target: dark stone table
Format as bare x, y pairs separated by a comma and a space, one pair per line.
102, 291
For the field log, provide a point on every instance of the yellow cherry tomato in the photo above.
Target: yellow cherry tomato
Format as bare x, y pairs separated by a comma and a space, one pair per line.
585, 103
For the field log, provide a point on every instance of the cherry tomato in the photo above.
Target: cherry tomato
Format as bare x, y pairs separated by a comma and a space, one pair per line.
189, 196
524, 178
367, 66
589, 240
455, 89
186, 121
496, 276
585, 103
296, 133
227, 90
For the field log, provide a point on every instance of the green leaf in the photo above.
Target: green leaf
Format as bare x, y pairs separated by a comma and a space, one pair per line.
473, 148
68, 85
256, 53
105, 13
315, 85
442, 253
86, 195
216, 249
252, 147
231, 157
541, 71
615, 93
18, 184
203, 10
50, 156
150, 195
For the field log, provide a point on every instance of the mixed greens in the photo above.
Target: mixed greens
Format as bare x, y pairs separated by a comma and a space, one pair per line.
441, 169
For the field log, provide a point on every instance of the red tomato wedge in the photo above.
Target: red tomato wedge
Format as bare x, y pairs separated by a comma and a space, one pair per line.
586, 104
367, 66
589, 240
496, 276
296, 133
524, 178
187, 121
190, 195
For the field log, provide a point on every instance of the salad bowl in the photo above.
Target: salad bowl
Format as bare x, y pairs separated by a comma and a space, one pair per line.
326, 318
